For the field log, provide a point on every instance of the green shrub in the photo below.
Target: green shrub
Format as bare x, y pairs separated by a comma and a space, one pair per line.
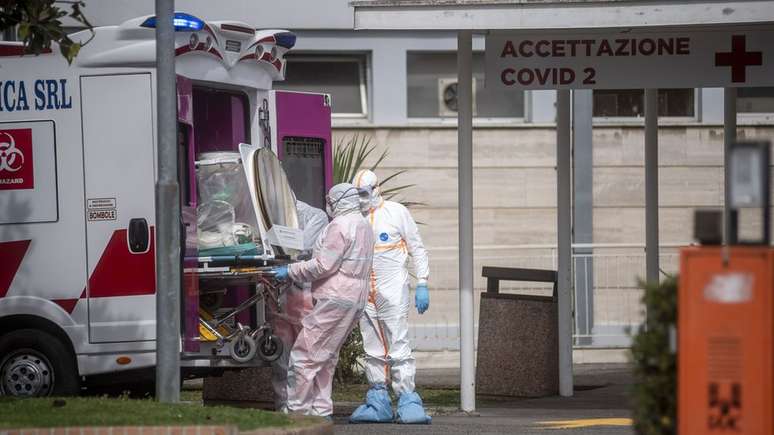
350, 368
655, 363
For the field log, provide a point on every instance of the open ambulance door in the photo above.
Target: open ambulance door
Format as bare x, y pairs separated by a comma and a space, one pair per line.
186, 166
302, 141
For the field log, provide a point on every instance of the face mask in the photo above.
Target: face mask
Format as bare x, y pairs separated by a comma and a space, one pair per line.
364, 198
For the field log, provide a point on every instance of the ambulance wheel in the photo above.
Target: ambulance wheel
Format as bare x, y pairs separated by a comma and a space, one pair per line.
243, 349
34, 363
270, 348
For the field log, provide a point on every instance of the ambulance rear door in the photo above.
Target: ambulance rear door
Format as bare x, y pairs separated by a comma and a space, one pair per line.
301, 124
119, 171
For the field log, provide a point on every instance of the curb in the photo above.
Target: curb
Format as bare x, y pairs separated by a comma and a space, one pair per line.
125, 430
312, 426
344, 409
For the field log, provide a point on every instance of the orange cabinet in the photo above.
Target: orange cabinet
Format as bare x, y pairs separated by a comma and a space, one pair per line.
725, 339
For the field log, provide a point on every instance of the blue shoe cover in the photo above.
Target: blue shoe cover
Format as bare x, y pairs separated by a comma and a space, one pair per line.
376, 409
411, 411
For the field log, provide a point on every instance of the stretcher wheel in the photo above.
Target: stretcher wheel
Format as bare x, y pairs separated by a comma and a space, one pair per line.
270, 348
243, 349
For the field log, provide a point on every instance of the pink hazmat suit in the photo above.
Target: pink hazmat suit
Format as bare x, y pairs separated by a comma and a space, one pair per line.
296, 303
339, 271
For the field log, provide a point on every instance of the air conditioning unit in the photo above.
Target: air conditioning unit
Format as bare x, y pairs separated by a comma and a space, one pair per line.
447, 96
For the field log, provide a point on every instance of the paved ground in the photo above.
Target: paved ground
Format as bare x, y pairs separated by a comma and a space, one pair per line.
600, 399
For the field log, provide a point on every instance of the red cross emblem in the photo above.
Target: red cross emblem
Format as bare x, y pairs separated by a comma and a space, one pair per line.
739, 59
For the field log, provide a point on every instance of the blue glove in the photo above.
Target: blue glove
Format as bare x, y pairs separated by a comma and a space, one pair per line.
422, 298
280, 273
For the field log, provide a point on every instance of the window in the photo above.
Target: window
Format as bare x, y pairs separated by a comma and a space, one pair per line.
343, 77
8, 34
622, 103
304, 164
755, 100
432, 88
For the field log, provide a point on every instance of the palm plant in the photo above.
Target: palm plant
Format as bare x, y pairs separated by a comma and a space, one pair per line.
350, 155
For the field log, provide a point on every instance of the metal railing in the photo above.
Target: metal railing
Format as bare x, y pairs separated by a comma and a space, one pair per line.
607, 297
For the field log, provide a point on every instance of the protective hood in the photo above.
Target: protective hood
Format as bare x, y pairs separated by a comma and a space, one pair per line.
367, 180
342, 199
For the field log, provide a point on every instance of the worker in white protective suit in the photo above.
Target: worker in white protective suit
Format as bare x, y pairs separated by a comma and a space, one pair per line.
339, 271
296, 303
384, 325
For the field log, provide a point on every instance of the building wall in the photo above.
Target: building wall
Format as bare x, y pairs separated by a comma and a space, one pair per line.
515, 206
514, 162
297, 14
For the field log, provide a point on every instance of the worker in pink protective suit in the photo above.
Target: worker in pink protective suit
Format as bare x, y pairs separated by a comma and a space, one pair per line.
339, 271
384, 324
296, 303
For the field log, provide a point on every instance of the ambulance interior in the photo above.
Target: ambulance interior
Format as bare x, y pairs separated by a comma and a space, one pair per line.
232, 197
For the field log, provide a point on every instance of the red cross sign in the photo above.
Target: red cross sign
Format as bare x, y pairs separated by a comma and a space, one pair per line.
631, 59
739, 59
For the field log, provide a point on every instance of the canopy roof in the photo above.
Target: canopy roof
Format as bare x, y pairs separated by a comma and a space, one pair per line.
554, 14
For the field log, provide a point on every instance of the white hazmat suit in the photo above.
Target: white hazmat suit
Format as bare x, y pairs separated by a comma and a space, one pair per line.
296, 303
339, 271
384, 325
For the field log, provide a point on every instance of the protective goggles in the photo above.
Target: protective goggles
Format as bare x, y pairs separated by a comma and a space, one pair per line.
362, 194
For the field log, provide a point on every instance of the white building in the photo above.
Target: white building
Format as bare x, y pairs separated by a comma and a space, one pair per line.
397, 89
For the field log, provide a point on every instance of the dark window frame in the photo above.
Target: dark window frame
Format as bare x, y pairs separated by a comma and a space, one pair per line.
624, 119
363, 61
757, 114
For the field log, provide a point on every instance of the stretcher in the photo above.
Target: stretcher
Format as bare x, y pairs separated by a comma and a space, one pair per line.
247, 223
222, 273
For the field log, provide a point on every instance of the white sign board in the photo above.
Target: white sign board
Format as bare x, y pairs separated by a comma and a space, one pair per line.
286, 237
630, 60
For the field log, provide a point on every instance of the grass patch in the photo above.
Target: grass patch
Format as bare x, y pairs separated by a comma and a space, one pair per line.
430, 396
191, 395
98, 411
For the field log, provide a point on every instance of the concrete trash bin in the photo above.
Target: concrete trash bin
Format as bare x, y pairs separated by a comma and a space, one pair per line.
518, 351
246, 387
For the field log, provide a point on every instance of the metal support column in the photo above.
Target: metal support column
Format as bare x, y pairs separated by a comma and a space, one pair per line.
167, 212
651, 186
729, 137
465, 189
583, 213
564, 206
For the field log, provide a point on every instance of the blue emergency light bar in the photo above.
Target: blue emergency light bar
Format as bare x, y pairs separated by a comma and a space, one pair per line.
285, 39
181, 22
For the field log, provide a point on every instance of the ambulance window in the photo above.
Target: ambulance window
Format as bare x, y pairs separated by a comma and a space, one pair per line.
183, 169
221, 119
304, 164
624, 103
